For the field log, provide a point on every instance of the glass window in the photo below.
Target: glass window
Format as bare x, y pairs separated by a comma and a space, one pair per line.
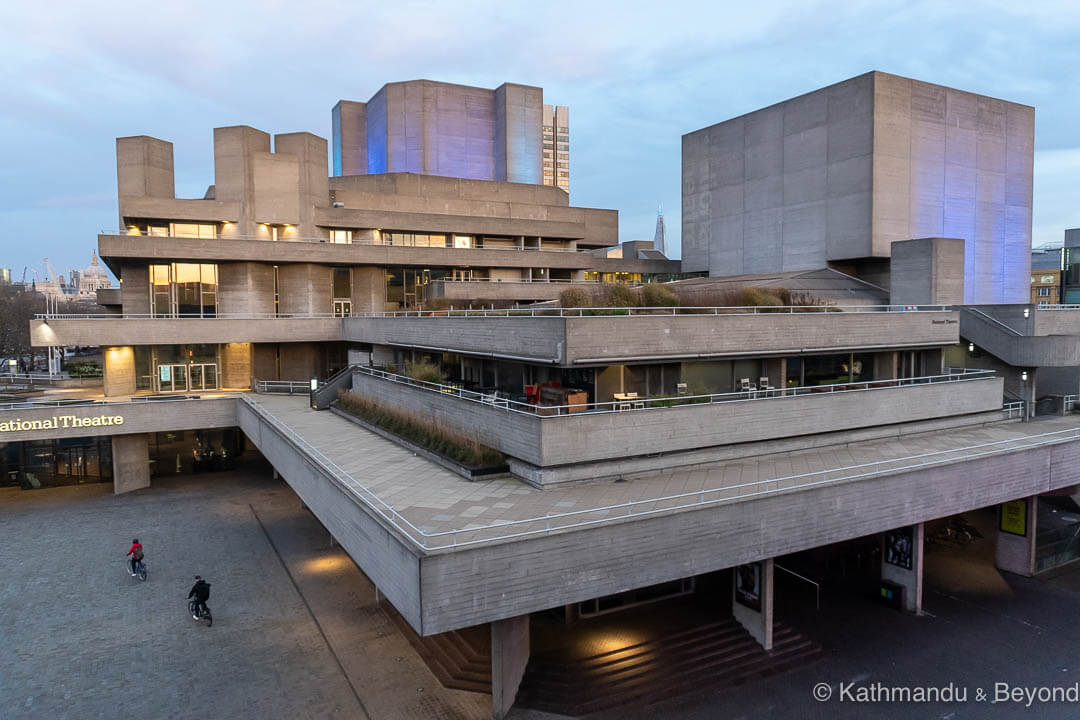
342, 284
341, 237
185, 289
463, 241
1044, 292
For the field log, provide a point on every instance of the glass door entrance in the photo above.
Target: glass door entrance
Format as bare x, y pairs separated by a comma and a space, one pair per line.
202, 376
172, 378
181, 377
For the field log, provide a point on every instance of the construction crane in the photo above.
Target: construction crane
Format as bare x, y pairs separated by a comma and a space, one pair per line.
24, 269
51, 273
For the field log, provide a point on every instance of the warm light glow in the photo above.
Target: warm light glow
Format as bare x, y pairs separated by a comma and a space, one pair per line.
605, 641
325, 564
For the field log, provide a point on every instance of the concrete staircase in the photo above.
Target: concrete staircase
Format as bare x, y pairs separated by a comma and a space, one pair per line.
705, 657
459, 659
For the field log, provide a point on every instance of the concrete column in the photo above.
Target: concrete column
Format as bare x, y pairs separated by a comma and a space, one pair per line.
1015, 547
509, 656
886, 365
901, 547
752, 600
131, 462
119, 371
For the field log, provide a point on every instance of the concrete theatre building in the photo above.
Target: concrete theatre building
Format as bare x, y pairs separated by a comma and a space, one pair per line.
645, 455
835, 176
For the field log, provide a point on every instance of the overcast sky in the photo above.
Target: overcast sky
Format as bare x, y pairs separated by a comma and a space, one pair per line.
75, 75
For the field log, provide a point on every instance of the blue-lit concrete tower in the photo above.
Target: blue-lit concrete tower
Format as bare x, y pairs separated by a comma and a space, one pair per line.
437, 128
834, 177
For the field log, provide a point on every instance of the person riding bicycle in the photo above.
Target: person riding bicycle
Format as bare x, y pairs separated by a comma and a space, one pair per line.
201, 592
136, 553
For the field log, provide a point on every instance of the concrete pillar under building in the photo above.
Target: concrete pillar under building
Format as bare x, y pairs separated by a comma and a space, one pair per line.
131, 462
118, 376
752, 600
902, 563
509, 656
1014, 549
886, 365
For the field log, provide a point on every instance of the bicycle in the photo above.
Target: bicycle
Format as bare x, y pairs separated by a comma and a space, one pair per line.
200, 613
140, 569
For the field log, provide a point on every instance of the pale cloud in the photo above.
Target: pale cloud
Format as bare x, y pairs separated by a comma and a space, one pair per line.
637, 75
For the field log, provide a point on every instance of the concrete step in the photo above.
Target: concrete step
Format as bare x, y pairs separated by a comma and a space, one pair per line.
713, 656
454, 659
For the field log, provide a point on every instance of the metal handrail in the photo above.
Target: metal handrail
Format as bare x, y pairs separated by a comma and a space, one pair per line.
653, 311
1058, 306
290, 387
980, 314
32, 377
1013, 407
80, 402
655, 403
188, 316
817, 585
693, 499
517, 312
327, 241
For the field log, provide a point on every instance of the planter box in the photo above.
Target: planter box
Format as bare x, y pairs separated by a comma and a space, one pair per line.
465, 471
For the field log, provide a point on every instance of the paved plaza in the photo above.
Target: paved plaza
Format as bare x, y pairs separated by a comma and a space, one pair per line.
297, 632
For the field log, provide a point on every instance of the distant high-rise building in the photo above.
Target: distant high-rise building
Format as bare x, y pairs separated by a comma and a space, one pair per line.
5, 276
557, 146
435, 128
659, 240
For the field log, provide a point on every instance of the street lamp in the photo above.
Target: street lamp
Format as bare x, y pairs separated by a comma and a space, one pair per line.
1023, 376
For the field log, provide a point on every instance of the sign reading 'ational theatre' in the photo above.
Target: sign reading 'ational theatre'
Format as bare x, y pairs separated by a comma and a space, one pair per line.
60, 422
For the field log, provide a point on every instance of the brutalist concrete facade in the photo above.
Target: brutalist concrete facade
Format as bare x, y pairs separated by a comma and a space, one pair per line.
438, 128
835, 176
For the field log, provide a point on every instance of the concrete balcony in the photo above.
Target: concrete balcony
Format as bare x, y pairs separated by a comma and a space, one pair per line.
140, 414
602, 439
110, 330
504, 290
554, 336
224, 249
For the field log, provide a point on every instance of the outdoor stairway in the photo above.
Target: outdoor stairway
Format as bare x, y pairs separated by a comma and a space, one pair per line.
706, 657
460, 660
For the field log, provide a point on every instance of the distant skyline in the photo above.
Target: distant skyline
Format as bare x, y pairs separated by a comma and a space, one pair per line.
636, 77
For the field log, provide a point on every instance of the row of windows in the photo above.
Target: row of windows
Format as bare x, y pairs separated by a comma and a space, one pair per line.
190, 230
184, 289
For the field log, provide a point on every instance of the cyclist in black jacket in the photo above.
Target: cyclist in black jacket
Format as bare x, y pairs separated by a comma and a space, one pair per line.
201, 592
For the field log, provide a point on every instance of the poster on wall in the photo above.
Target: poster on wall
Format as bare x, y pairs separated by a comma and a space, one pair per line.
1014, 517
899, 547
748, 586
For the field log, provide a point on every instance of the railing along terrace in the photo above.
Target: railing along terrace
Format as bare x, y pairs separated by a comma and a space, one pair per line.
363, 241
653, 311
283, 387
188, 316
495, 399
90, 402
556, 522
518, 312
1013, 409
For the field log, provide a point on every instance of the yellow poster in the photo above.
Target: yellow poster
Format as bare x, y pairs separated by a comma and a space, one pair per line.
1014, 517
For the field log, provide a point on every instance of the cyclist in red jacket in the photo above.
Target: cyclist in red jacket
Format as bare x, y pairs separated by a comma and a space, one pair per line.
136, 553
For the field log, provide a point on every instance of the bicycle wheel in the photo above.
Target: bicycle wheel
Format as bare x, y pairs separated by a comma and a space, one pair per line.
209, 617
141, 572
